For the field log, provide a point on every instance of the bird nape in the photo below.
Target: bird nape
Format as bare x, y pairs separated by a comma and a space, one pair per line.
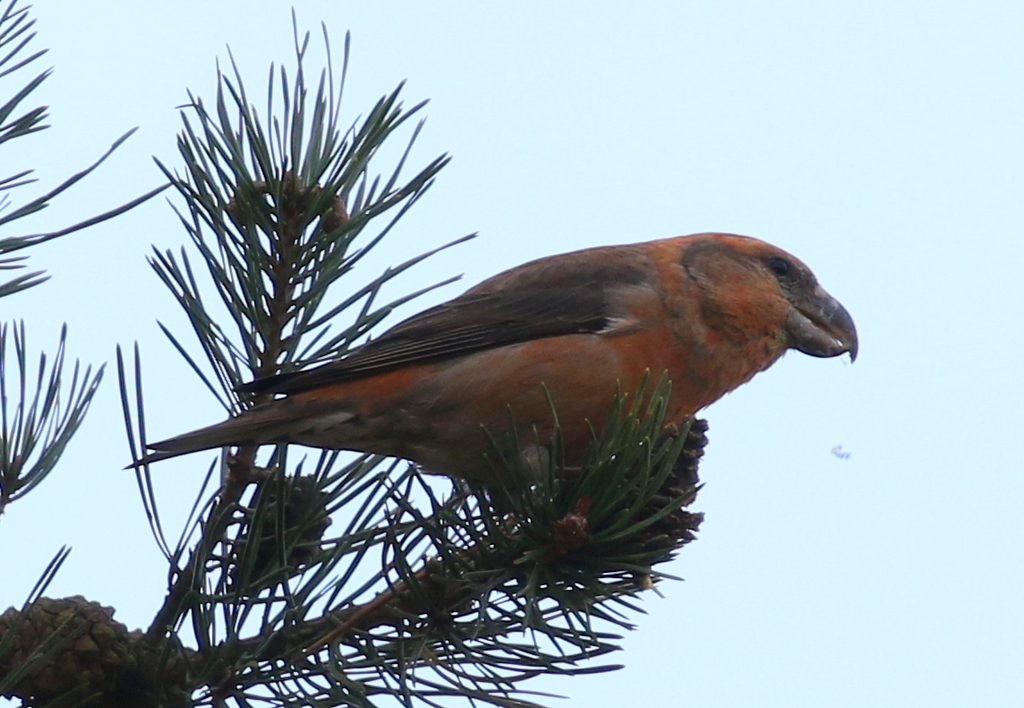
567, 332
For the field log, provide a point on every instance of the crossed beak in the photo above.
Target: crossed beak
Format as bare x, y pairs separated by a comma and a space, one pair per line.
818, 325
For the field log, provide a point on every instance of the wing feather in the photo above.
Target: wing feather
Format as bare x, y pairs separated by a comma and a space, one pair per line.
548, 298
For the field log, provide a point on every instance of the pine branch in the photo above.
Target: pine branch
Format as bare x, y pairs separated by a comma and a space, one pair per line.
493, 576
269, 218
16, 32
37, 427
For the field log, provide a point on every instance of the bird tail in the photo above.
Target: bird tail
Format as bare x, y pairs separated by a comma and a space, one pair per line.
250, 428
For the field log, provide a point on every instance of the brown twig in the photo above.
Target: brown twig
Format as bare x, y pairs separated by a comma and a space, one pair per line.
379, 611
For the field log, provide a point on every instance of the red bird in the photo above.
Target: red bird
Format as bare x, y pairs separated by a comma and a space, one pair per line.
711, 310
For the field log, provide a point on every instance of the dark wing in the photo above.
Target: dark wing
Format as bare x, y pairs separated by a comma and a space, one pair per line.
551, 297
462, 326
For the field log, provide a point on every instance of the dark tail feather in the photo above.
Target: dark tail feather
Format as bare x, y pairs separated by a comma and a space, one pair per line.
247, 429
151, 457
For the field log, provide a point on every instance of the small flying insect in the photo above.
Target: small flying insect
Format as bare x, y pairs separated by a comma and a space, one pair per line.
838, 452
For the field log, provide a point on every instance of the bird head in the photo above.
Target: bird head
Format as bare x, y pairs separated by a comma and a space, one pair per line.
750, 286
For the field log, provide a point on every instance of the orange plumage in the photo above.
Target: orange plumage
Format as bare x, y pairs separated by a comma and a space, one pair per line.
710, 310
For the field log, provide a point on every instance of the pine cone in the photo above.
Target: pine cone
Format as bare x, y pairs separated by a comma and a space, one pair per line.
306, 518
87, 656
677, 528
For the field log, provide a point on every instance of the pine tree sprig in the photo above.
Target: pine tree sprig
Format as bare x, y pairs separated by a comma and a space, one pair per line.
40, 414
498, 599
275, 216
16, 32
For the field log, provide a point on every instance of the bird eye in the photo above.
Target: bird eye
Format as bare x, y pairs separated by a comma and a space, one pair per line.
780, 266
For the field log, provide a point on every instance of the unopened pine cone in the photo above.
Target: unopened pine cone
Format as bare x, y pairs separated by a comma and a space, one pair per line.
85, 655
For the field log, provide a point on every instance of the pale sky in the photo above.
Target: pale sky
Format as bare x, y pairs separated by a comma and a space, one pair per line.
880, 142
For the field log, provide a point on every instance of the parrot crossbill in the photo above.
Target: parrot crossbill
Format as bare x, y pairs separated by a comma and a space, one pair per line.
567, 332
